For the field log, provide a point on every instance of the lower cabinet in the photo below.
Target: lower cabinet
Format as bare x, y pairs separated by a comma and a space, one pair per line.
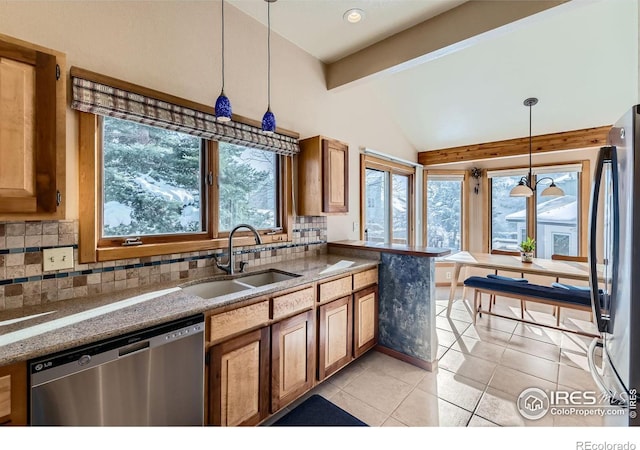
13, 394
335, 332
292, 358
239, 379
365, 320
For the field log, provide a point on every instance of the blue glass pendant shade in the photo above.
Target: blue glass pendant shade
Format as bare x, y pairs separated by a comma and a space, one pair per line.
223, 108
268, 122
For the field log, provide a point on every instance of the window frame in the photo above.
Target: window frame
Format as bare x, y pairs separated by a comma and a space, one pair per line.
391, 168
93, 248
531, 225
464, 203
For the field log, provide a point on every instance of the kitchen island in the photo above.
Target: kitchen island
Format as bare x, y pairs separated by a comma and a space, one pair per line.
407, 315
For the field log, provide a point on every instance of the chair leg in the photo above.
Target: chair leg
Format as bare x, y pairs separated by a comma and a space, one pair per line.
492, 301
476, 294
558, 317
522, 308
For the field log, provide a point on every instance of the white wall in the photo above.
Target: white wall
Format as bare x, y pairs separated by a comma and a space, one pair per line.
174, 46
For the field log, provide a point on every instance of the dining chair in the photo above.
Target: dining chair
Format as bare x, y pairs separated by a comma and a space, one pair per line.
558, 257
492, 298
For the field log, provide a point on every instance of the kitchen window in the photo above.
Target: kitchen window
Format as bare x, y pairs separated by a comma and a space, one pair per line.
558, 224
387, 214
445, 202
174, 182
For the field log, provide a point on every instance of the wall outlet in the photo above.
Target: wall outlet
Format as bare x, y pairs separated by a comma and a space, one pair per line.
448, 274
57, 258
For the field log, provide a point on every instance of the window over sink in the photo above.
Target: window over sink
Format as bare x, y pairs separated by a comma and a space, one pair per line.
160, 175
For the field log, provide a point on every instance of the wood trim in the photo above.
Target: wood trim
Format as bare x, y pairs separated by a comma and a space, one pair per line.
88, 195
583, 207
386, 165
77, 72
553, 142
286, 196
363, 197
583, 259
486, 208
426, 365
464, 203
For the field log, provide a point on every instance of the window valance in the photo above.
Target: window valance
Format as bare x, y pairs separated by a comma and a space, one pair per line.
122, 100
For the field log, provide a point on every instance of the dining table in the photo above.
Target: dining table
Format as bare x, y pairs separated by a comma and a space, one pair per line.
571, 270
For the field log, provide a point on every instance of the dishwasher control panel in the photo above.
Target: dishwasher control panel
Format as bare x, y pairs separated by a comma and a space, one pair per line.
86, 355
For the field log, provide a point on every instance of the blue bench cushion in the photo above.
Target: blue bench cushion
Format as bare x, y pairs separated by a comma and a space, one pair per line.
503, 278
577, 297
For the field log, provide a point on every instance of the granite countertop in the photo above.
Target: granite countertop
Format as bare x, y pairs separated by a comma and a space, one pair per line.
384, 247
62, 325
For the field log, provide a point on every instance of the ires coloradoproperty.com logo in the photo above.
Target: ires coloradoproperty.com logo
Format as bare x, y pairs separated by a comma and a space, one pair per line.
534, 404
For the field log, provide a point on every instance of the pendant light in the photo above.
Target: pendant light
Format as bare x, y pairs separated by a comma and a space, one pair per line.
223, 105
524, 187
269, 120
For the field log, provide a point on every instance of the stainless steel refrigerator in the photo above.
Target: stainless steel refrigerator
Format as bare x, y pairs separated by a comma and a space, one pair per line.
614, 241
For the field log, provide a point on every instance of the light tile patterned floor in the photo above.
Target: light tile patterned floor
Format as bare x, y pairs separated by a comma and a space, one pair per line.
481, 372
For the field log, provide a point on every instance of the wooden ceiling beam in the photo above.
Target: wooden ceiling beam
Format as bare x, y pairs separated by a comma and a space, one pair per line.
568, 140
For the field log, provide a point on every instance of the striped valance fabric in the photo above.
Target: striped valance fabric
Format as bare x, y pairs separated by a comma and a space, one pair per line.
97, 98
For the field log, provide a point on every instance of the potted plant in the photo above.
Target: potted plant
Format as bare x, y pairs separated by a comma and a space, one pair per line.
528, 246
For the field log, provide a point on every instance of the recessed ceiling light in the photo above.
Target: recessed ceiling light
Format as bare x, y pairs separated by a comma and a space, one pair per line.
353, 15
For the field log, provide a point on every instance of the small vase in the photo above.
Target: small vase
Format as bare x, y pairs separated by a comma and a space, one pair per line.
527, 257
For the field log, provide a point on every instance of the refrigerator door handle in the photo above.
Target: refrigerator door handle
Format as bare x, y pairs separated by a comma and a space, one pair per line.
613, 399
596, 301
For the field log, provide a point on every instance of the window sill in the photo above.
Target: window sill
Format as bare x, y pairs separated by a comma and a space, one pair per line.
145, 250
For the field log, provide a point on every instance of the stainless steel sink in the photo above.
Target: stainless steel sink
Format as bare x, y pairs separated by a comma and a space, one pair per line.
268, 277
242, 282
211, 289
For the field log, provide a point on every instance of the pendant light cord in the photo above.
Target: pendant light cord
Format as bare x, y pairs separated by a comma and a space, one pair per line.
222, 45
268, 55
530, 174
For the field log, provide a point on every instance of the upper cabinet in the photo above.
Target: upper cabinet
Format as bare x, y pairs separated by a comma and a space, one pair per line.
323, 177
32, 131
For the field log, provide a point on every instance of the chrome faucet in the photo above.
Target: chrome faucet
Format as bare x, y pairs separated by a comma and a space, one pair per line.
229, 267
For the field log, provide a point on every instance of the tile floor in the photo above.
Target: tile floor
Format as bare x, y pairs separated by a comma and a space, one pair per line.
481, 371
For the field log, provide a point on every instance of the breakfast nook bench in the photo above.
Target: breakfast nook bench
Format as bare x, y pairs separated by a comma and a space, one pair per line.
558, 295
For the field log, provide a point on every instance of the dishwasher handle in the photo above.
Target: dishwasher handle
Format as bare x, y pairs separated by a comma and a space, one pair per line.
133, 348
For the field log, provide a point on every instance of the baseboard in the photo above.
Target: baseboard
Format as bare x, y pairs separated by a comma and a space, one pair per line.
421, 363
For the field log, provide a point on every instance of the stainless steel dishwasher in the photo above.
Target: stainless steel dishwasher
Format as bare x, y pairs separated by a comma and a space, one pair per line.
153, 376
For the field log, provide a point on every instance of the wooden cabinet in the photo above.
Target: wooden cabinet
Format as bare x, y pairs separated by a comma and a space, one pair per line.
292, 358
32, 131
335, 332
365, 320
13, 394
323, 177
239, 379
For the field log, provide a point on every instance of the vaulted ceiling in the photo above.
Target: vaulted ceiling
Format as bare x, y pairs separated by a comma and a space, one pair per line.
449, 80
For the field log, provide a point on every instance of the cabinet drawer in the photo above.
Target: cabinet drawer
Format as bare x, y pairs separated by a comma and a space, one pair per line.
366, 278
238, 320
288, 304
335, 289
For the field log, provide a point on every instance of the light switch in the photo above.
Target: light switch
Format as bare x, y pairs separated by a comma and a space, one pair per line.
57, 258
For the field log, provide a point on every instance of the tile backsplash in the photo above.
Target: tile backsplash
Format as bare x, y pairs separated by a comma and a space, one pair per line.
24, 283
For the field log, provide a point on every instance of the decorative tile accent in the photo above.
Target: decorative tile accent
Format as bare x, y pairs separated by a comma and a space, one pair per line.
21, 263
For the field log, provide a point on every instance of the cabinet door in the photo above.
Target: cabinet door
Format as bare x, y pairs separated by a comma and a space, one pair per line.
30, 131
292, 358
334, 336
239, 383
13, 394
365, 320
335, 173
